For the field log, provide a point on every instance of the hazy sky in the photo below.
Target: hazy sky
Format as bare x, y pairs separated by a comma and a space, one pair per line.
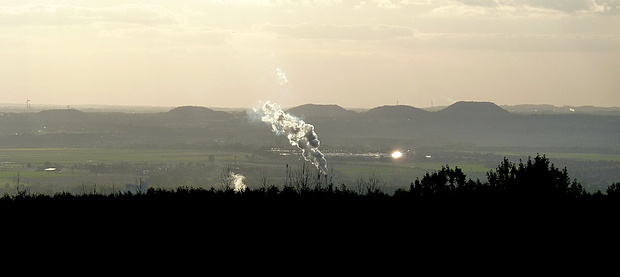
350, 53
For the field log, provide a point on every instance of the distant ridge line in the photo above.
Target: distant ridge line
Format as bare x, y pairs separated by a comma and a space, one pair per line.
316, 110
458, 109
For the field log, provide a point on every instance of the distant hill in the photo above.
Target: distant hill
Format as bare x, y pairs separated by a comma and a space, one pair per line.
60, 115
550, 109
482, 124
469, 110
316, 110
395, 112
195, 112
531, 108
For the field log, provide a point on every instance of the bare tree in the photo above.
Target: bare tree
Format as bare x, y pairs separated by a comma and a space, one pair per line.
264, 181
307, 177
226, 178
368, 185
300, 178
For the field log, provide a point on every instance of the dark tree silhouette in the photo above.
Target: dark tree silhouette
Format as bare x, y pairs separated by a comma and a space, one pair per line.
614, 190
504, 177
441, 206
535, 178
446, 181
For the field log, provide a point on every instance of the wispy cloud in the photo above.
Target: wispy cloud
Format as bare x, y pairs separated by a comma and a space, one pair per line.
497, 8
338, 32
524, 8
52, 14
167, 37
517, 41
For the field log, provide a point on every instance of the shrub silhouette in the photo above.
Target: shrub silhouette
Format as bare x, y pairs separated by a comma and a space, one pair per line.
309, 213
535, 178
614, 190
443, 182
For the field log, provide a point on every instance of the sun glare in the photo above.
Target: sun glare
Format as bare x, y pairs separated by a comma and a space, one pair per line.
397, 154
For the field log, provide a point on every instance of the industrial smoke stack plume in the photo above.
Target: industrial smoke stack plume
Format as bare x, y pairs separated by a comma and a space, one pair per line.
298, 132
237, 182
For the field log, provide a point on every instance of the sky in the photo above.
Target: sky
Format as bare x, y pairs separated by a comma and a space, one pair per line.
360, 54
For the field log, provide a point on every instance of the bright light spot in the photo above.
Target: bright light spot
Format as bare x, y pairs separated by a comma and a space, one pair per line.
397, 154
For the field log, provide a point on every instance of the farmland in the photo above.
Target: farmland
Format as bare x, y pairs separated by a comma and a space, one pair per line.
83, 169
106, 169
69, 150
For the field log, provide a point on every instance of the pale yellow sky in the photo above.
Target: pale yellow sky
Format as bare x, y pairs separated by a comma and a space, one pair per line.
350, 53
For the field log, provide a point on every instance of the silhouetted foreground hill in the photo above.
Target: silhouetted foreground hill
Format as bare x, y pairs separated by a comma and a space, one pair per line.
203, 226
516, 207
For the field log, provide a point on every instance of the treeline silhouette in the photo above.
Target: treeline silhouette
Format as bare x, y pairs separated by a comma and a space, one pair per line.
532, 199
535, 179
528, 187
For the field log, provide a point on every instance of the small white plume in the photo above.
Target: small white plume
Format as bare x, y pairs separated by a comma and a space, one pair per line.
237, 181
298, 132
282, 80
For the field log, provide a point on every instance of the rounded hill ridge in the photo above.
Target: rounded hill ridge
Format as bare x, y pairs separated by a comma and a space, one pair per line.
195, 112
184, 110
321, 110
473, 109
396, 112
69, 115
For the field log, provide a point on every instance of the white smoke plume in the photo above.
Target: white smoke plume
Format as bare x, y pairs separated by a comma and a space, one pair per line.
237, 182
282, 80
298, 132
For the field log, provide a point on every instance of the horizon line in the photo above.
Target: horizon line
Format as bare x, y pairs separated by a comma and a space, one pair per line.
31, 105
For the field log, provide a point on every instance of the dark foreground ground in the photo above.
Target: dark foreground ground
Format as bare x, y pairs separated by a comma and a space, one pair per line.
206, 227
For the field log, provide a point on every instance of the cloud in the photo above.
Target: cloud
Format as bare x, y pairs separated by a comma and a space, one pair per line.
516, 41
53, 15
481, 3
567, 6
172, 36
387, 4
338, 32
459, 10
522, 8
511, 33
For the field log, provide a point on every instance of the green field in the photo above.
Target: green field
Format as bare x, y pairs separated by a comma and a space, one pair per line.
182, 167
29, 163
100, 155
84, 169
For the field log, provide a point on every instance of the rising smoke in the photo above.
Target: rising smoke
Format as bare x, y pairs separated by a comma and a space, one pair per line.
298, 132
282, 80
237, 182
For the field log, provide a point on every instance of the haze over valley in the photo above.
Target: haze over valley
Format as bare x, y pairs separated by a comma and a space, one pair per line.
98, 148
